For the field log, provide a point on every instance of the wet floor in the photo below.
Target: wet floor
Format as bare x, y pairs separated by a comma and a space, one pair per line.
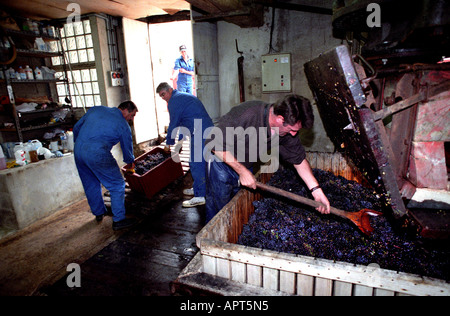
148, 257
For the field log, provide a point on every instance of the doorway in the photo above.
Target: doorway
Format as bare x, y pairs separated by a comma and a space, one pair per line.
165, 40
151, 50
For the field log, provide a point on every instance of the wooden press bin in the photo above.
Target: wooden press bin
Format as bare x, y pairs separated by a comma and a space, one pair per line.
295, 274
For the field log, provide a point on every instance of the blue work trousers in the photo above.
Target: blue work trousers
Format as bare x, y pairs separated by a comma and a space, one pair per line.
197, 164
222, 184
97, 166
185, 87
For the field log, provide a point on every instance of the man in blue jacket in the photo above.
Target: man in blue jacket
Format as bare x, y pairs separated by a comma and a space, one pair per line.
95, 134
184, 69
188, 112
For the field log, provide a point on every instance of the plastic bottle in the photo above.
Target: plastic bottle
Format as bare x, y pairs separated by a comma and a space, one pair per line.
22, 74
36, 144
20, 155
51, 31
11, 73
26, 25
2, 159
38, 74
35, 27
64, 142
70, 143
28, 147
29, 73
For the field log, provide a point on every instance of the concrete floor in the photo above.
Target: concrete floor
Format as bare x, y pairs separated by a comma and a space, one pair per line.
142, 260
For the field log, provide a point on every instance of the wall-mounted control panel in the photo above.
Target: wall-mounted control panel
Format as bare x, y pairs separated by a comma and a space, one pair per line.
116, 78
276, 73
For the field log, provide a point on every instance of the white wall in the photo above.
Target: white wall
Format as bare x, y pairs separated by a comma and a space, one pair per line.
165, 40
304, 35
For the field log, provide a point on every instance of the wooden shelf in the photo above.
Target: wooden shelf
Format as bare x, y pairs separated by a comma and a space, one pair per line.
38, 81
37, 53
32, 128
36, 120
30, 35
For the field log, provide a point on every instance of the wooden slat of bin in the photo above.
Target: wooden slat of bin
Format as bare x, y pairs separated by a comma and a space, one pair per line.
323, 287
342, 288
209, 265
270, 278
238, 271
380, 292
254, 275
361, 290
223, 268
305, 285
288, 282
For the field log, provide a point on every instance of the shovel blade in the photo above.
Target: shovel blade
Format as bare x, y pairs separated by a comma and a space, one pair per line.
362, 219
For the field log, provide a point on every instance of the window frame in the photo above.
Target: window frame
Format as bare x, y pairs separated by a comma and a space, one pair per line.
77, 42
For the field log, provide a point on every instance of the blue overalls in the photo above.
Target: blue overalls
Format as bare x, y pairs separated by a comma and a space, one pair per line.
184, 82
188, 111
95, 134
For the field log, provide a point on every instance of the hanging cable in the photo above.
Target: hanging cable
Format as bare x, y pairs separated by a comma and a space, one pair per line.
272, 26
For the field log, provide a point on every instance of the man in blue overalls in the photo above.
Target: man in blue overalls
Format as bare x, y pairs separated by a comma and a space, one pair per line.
188, 112
95, 134
184, 68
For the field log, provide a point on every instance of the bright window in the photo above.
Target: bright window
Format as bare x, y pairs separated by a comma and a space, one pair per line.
76, 39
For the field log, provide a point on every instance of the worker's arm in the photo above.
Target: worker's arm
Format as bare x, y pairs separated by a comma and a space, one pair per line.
184, 71
174, 77
246, 178
305, 172
174, 74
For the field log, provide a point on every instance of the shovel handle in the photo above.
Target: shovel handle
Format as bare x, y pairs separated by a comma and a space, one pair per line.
298, 198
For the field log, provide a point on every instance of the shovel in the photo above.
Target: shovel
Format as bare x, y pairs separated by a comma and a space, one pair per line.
360, 218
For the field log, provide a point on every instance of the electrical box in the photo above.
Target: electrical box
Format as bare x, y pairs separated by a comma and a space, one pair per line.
276, 73
116, 78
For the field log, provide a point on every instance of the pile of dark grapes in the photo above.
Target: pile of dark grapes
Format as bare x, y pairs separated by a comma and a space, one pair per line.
149, 162
285, 226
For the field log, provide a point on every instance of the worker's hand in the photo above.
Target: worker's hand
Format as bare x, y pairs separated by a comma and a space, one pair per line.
319, 196
167, 149
130, 170
247, 179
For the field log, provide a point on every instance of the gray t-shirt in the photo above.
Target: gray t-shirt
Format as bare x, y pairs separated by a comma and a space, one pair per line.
245, 132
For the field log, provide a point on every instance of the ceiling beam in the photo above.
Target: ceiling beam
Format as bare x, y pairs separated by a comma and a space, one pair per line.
179, 16
223, 14
294, 6
240, 12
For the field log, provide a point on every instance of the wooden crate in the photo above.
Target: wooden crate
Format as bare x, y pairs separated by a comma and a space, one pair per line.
295, 274
156, 178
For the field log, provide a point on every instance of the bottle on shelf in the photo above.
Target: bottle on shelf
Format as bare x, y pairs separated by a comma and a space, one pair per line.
38, 74
21, 74
20, 154
11, 73
70, 143
35, 27
51, 31
29, 73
